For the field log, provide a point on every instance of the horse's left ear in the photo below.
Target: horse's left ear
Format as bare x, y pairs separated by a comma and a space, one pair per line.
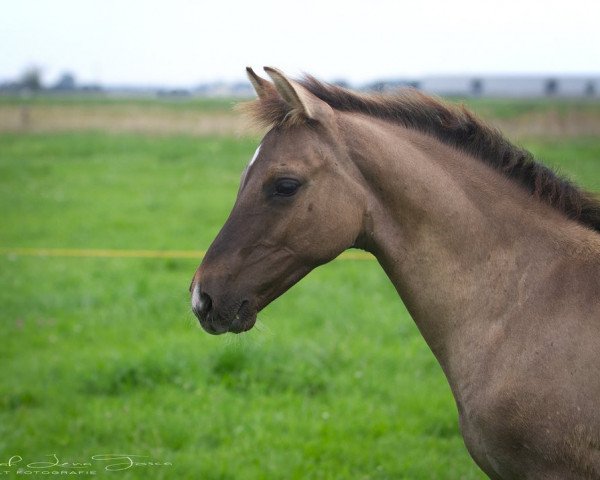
262, 87
299, 98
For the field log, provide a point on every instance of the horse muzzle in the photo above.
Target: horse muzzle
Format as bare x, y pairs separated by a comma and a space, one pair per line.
221, 317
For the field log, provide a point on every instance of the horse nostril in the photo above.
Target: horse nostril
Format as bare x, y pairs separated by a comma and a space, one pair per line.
201, 303
206, 303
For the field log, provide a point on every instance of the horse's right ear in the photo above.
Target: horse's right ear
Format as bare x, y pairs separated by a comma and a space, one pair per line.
261, 86
301, 102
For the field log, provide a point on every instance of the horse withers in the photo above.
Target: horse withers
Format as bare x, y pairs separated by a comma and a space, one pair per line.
496, 258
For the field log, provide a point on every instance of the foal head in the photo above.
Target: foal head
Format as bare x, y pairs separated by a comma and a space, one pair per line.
299, 205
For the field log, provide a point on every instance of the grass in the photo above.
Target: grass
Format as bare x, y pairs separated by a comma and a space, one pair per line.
202, 104
498, 108
43, 113
503, 109
103, 356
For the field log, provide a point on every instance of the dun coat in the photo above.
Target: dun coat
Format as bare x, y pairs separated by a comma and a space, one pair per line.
496, 257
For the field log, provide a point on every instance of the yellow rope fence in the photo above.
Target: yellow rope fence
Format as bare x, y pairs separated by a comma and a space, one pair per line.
121, 253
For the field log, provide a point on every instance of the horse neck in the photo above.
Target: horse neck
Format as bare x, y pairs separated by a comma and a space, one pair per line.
460, 242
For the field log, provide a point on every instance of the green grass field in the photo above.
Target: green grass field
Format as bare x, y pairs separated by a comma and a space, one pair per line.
102, 355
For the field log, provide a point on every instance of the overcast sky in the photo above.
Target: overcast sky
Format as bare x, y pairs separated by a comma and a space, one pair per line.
184, 42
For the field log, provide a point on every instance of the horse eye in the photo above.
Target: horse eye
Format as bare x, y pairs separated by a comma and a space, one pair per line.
286, 187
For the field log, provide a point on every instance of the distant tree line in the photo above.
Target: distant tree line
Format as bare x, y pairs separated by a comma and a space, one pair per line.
31, 80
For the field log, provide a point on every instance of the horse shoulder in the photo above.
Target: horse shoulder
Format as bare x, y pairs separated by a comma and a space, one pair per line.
521, 426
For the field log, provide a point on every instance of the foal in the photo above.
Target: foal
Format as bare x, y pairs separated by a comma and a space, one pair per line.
496, 258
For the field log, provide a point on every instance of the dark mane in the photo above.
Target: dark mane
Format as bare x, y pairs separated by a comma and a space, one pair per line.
457, 127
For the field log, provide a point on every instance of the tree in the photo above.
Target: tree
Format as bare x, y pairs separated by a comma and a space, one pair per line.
66, 82
31, 79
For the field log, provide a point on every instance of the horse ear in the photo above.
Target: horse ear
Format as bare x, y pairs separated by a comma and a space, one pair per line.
261, 86
298, 97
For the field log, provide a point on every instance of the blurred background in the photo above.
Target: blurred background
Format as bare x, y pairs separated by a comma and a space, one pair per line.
120, 157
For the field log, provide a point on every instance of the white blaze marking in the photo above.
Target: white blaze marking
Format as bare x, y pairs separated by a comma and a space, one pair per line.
247, 169
254, 157
196, 300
